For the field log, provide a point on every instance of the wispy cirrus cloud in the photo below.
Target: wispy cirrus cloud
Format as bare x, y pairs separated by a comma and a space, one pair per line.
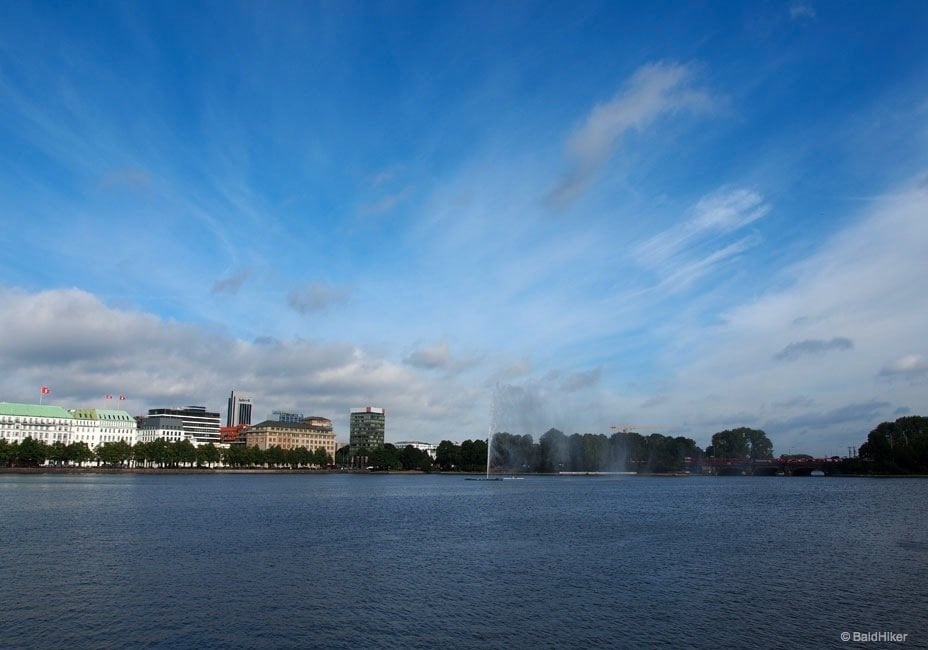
385, 175
721, 212
386, 203
813, 347
133, 179
707, 238
654, 91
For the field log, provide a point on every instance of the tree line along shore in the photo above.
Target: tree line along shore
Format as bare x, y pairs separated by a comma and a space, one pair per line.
894, 448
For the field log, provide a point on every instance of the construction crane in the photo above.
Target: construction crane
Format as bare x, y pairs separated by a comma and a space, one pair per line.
634, 428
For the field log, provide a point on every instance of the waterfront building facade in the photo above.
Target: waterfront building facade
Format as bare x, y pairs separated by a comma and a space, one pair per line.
366, 428
239, 410
98, 426
311, 433
169, 428
51, 424
427, 447
201, 424
42, 422
234, 435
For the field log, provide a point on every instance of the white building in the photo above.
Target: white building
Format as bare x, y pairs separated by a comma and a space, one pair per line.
427, 447
51, 424
48, 424
97, 426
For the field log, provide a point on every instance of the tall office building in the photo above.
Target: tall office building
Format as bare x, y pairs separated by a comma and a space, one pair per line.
239, 411
366, 428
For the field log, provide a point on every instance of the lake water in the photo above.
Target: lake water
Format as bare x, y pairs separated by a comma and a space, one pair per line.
348, 561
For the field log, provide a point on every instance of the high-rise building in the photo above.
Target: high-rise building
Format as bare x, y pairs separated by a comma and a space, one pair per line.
239, 411
199, 423
366, 428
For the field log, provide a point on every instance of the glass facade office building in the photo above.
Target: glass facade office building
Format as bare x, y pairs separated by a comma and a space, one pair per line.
366, 427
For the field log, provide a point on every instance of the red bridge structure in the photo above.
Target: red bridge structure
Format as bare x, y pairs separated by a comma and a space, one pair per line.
769, 467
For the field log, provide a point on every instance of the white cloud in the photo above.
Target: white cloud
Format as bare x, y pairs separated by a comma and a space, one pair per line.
653, 91
687, 251
82, 348
438, 356
911, 367
866, 282
720, 212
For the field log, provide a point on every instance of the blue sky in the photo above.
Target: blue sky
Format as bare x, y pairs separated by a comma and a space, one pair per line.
685, 217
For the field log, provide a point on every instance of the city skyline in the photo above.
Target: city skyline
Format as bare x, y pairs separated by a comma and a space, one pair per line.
485, 217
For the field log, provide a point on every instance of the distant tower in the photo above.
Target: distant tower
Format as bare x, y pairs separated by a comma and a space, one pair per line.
239, 410
366, 428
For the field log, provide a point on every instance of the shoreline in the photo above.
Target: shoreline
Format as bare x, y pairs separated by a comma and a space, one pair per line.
206, 471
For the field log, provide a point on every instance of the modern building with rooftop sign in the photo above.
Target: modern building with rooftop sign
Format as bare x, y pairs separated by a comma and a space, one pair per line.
200, 424
366, 430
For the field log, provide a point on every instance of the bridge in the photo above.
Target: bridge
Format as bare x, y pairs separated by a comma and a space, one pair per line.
769, 467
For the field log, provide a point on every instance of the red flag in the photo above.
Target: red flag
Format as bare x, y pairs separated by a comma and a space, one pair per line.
46, 390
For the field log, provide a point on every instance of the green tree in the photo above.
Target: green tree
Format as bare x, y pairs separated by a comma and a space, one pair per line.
320, 458
411, 459
474, 455
513, 453
235, 455
256, 456
184, 452
448, 455
207, 455
384, 458
110, 453
58, 453
79, 453
161, 453
32, 452
742, 443
275, 456
553, 452
900, 446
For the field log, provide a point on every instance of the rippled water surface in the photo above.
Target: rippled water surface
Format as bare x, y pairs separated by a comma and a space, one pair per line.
342, 561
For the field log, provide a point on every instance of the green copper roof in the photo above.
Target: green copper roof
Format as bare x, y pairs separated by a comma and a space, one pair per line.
102, 414
33, 410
